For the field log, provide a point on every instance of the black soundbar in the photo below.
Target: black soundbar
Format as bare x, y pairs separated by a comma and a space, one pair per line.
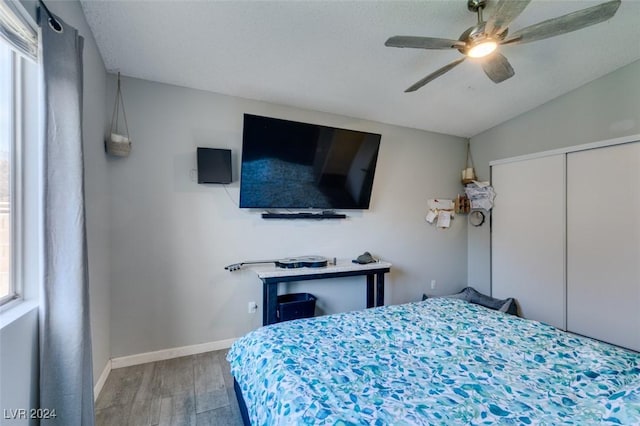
304, 215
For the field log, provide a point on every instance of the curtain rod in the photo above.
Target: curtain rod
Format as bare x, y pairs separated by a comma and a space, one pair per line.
53, 22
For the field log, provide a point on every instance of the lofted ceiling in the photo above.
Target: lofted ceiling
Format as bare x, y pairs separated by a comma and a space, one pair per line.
330, 55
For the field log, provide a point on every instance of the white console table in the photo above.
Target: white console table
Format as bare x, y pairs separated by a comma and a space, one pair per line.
272, 275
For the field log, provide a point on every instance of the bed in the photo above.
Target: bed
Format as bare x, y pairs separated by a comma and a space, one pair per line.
439, 361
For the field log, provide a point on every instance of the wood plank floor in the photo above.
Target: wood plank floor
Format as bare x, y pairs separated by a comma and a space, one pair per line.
192, 390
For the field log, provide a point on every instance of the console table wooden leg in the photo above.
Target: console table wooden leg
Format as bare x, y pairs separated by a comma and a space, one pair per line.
380, 289
269, 303
370, 289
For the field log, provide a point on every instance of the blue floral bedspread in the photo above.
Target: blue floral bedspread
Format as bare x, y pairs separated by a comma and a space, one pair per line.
441, 361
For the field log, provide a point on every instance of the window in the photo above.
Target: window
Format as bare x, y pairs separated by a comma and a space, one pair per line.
19, 155
8, 127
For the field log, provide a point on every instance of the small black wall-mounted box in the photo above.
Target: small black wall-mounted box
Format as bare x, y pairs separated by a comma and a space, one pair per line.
214, 165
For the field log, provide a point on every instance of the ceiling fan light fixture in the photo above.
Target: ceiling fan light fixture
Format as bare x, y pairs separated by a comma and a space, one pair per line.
483, 39
482, 49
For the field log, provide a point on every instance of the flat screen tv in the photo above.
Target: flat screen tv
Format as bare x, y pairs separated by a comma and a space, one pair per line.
292, 165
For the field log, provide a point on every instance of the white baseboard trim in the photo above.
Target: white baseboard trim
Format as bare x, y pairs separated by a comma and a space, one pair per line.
143, 358
101, 381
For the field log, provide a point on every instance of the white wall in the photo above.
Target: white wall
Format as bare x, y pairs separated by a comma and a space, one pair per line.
19, 366
19, 349
606, 108
172, 238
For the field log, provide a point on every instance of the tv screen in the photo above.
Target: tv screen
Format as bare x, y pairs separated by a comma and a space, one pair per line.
214, 165
292, 165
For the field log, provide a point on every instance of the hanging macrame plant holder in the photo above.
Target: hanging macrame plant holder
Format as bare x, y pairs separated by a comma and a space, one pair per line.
118, 144
468, 174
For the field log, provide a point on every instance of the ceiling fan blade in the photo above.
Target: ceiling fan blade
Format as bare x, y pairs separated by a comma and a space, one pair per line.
506, 12
565, 23
434, 75
497, 67
424, 42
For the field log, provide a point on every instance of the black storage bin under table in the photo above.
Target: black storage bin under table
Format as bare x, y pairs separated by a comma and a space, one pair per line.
295, 305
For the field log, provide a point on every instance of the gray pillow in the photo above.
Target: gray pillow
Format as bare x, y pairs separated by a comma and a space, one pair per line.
471, 295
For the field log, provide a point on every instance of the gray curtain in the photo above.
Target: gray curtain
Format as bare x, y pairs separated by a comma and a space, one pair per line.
66, 378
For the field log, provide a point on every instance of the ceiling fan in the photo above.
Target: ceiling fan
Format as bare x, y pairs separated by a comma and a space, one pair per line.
482, 40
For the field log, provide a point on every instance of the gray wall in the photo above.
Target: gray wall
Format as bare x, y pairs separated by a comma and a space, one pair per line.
172, 238
606, 108
19, 340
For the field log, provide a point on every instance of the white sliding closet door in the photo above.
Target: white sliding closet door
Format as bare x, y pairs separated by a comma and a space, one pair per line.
603, 242
528, 236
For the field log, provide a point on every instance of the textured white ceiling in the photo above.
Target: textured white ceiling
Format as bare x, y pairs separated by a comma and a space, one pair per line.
330, 55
